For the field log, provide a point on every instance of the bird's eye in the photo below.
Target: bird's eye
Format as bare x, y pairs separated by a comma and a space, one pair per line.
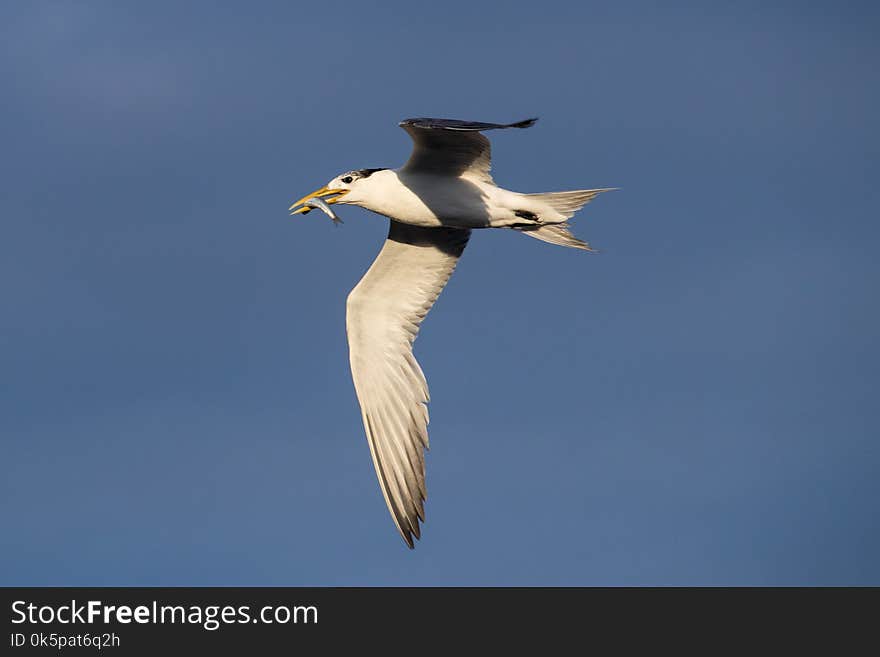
347, 179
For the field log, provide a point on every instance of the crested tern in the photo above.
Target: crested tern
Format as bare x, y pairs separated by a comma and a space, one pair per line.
433, 202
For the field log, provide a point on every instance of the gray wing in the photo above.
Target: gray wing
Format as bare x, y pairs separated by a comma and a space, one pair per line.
452, 147
383, 315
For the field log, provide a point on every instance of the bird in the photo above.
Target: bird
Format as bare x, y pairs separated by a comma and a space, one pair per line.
443, 192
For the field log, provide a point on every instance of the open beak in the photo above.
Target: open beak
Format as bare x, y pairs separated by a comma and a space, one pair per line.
323, 193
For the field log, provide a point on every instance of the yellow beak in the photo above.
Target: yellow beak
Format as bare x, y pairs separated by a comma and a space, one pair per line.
318, 193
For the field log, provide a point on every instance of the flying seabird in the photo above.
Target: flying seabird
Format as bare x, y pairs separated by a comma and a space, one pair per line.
433, 202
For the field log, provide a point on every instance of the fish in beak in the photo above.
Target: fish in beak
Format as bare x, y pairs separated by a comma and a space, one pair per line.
323, 193
323, 207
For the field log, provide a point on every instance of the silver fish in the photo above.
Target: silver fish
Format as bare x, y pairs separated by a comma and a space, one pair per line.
321, 205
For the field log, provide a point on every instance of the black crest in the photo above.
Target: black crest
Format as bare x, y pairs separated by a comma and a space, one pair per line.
366, 173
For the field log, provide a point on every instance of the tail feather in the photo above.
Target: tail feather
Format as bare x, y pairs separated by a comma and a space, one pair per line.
556, 234
556, 229
567, 203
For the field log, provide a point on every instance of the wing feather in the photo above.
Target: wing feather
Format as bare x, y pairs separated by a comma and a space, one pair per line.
453, 147
383, 315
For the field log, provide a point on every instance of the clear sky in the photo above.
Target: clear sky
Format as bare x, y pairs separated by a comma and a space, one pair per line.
695, 405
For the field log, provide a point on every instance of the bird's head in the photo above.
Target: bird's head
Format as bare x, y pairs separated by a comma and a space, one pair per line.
351, 187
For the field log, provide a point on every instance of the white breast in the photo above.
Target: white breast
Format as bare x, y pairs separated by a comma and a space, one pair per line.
428, 200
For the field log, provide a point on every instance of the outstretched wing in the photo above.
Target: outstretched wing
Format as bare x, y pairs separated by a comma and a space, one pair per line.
453, 148
383, 315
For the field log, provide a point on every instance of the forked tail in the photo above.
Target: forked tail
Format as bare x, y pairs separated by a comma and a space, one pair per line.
563, 205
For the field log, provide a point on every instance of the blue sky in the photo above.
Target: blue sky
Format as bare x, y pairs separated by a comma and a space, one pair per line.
695, 405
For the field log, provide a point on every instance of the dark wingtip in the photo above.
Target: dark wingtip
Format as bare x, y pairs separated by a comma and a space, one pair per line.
528, 123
